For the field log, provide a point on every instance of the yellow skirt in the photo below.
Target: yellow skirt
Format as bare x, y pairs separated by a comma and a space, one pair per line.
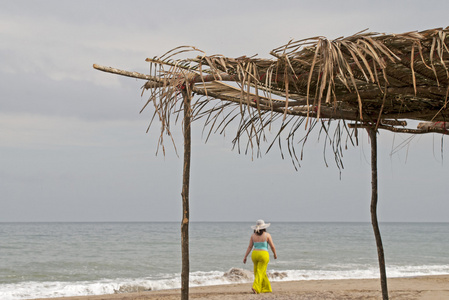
261, 283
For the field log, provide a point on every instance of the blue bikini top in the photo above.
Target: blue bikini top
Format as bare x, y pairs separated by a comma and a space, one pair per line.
261, 245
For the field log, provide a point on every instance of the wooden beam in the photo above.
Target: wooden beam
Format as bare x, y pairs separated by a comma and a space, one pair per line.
402, 130
185, 270
374, 197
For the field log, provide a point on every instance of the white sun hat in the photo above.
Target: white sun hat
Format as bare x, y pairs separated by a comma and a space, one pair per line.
260, 224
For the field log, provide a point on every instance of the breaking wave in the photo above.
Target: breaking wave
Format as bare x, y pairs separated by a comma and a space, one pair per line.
29, 290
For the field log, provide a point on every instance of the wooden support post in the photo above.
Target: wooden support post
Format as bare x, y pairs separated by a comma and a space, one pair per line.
380, 250
185, 198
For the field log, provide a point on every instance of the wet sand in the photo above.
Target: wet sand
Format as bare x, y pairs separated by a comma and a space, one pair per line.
423, 288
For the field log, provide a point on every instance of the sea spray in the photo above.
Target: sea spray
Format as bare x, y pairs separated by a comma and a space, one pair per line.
238, 275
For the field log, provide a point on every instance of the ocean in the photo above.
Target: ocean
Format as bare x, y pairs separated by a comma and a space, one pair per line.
73, 259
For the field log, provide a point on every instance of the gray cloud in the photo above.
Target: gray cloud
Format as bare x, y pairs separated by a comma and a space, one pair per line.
73, 144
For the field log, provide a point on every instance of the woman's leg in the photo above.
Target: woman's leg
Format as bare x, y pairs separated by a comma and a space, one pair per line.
263, 264
257, 284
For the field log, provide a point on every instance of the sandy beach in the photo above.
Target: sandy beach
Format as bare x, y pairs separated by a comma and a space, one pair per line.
426, 287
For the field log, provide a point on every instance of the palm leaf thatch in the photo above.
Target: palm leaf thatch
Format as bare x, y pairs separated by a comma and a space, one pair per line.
369, 78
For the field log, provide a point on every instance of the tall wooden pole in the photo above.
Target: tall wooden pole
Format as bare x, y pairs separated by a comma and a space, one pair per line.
185, 198
380, 248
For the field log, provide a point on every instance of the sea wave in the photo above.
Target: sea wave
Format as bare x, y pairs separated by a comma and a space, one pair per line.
30, 290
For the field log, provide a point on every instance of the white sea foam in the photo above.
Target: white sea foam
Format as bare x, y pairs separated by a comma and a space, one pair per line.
30, 290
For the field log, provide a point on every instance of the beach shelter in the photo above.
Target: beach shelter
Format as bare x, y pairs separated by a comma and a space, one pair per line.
368, 81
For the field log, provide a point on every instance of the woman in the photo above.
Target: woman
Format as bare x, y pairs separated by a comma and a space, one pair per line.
260, 240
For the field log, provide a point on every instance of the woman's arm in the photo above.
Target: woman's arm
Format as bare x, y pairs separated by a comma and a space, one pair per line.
248, 250
270, 242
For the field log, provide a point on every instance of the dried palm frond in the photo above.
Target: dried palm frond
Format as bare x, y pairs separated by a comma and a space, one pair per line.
370, 78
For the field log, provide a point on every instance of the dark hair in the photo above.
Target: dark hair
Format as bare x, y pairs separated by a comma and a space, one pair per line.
260, 231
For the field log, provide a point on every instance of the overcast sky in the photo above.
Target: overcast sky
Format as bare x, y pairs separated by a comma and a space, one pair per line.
73, 146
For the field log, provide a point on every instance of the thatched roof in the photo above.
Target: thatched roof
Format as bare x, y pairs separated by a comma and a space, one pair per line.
369, 78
